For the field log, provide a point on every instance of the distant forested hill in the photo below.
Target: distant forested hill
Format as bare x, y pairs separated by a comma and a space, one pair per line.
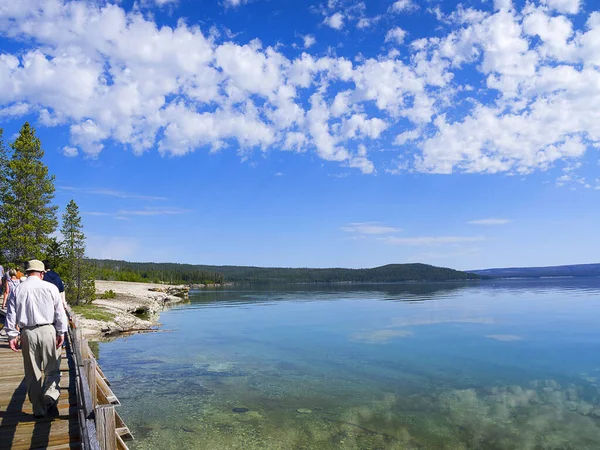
194, 274
577, 270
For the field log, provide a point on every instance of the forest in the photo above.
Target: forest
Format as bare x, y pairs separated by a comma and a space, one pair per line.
571, 271
203, 274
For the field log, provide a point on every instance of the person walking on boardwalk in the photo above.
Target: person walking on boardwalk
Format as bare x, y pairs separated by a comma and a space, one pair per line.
52, 277
37, 309
10, 286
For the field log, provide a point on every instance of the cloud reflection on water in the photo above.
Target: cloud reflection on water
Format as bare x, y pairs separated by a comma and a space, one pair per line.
379, 336
504, 337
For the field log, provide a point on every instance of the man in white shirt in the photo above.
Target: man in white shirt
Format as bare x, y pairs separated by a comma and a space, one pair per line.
38, 311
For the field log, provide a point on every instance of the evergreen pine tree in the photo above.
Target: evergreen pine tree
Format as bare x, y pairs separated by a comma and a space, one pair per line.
54, 254
3, 189
77, 273
27, 217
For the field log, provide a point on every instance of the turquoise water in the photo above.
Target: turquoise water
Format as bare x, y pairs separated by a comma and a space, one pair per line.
496, 365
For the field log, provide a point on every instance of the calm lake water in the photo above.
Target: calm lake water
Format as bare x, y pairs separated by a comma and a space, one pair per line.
496, 365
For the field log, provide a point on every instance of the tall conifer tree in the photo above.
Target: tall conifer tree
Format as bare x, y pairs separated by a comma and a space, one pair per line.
77, 272
27, 217
3, 189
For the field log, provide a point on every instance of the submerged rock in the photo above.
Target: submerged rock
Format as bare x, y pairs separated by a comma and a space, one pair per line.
240, 410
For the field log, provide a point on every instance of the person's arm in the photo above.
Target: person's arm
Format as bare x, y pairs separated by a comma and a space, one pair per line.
11, 323
60, 318
6, 291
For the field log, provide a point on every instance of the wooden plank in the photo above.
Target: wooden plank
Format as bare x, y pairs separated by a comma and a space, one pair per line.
88, 426
70, 445
120, 444
99, 369
105, 427
107, 394
11, 378
90, 373
122, 429
7, 398
85, 349
27, 435
11, 419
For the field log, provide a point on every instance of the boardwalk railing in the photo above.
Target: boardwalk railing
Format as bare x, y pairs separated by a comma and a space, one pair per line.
101, 426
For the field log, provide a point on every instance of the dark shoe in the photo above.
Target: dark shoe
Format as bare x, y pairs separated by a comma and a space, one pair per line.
52, 411
50, 402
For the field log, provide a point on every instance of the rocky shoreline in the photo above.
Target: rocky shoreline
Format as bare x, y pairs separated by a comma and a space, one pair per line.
135, 307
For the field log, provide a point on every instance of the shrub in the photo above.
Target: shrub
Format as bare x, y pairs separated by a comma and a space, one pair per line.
108, 295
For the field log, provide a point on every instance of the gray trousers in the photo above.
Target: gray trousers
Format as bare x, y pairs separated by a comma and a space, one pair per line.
41, 360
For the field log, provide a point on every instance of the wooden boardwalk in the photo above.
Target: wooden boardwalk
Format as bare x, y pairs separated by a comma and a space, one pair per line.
19, 429
86, 418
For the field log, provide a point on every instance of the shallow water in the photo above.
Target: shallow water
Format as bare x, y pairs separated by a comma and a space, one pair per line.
496, 365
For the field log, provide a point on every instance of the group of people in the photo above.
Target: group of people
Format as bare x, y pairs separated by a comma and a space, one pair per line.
35, 313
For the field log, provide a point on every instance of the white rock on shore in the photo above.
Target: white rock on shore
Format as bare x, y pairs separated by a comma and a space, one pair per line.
136, 307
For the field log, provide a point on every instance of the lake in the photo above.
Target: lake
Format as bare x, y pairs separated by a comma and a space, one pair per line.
491, 365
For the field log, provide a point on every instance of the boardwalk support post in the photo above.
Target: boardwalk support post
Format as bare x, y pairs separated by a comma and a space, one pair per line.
90, 371
106, 427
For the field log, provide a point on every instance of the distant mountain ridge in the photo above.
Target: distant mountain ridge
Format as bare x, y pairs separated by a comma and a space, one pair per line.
193, 274
572, 270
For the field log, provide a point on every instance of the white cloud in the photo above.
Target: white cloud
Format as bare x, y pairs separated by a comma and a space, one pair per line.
148, 211
159, 2
532, 103
396, 35
88, 135
340, 14
234, 3
70, 151
489, 222
402, 6
15, 110
564, 6
506, 4
110, 193
369, 228
555, 33
431, 240
362, 163
335, 21
360, 125
126, 214
367, 22
407, 136
309, 40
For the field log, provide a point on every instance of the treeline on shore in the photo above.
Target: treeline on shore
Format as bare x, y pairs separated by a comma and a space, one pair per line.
173, 273
573, 270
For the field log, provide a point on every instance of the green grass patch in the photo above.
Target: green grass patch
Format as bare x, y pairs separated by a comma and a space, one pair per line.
93, 312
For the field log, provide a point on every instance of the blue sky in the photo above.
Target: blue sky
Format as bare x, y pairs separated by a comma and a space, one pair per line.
315, 133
